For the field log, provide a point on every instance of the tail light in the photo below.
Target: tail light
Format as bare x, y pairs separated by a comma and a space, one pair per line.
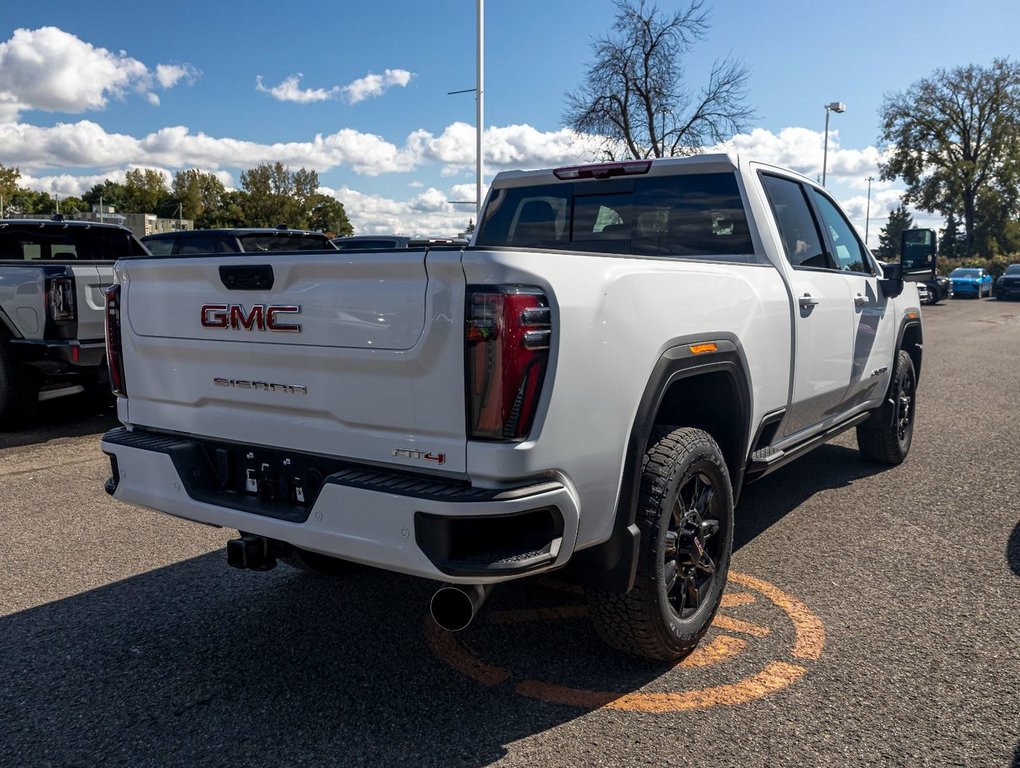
507, 337
114, 350
60, 301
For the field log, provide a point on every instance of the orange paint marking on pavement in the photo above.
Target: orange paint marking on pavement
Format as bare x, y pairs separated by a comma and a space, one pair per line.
735, 599
719, 650
775, 676
809, 628
445, 646
736, 625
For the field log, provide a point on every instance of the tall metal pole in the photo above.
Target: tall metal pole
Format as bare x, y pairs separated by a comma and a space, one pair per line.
825, 151
867, 215
480, 116
100, 209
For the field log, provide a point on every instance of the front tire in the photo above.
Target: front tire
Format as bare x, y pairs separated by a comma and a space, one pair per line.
685, 514
885, 438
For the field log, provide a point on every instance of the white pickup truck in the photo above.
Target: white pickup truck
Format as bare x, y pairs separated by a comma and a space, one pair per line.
53, 276
590, 382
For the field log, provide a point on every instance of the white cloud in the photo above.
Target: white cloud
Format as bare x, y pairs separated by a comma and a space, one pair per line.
52, 70
291, 90
376, 85
86, 144
370, 85
424, 215
803, 150
168, 75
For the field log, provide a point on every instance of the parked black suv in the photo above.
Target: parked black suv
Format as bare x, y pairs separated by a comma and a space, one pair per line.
197, 241
1008, 284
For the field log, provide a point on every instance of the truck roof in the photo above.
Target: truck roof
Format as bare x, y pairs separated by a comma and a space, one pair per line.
715, 162
60, 224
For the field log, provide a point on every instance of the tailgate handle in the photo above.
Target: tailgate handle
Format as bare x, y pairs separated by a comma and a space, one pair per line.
247, 277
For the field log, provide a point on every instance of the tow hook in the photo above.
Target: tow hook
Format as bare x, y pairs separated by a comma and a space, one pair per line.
256, 553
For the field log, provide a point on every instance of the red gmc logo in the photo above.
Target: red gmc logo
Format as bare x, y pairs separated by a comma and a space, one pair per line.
261, 317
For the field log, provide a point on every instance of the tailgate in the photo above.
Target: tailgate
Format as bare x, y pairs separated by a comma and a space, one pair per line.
90, 282
358, 356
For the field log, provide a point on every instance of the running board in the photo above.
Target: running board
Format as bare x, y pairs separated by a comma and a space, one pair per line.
767, 460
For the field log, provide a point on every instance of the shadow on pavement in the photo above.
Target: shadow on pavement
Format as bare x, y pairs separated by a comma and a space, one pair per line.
72, 416
1013, 552
766, 502
197, 664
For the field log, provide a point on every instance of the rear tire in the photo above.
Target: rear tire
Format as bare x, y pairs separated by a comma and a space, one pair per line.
19, 392
885, 438
685, 513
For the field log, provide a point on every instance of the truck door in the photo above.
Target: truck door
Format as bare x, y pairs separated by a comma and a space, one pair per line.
822, 318
872, 326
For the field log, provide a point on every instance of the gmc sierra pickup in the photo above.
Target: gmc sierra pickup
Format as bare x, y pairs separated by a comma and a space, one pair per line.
590, 382
53, 276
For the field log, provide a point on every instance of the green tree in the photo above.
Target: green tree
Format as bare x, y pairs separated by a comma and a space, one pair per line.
9, 178
29, 202
634, 93
949, 241
200, 195
889, 238
230, 212
145, 191
276, 195
112, 194
71, 205
329, 215
953, 138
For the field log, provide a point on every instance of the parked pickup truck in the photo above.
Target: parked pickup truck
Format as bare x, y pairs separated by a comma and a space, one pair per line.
590, 383
53, 276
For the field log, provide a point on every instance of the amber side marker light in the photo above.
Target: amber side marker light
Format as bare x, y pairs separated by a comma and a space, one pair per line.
700, 349
912, 315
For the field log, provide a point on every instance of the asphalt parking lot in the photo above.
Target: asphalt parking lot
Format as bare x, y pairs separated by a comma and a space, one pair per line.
873, 618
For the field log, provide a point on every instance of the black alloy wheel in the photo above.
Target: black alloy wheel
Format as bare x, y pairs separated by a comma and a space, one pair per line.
685, 516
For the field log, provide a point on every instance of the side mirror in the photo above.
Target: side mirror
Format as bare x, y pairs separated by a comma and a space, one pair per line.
891, 282
918, 249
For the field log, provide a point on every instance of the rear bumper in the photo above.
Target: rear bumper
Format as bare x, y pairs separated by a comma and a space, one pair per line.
55, 358
418, 525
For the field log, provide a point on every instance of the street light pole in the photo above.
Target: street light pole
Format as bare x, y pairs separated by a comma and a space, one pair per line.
867, 215
479, 118
836, 106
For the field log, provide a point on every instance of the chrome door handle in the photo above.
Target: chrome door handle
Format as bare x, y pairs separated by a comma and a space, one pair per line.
806, 302
861, 300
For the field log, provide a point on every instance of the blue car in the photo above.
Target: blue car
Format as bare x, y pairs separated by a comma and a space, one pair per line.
971, 281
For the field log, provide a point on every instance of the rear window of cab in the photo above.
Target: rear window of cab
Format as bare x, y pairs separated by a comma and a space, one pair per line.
692, 216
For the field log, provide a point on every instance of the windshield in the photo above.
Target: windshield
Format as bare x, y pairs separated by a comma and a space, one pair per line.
965, 273
1012, 269
47, 242
271, 242
695, 216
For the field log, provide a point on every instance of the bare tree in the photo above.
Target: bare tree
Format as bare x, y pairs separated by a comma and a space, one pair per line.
634, 96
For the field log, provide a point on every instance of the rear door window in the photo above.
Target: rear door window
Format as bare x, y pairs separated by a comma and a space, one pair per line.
695, 216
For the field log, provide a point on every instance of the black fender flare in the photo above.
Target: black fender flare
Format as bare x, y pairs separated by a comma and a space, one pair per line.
612, 564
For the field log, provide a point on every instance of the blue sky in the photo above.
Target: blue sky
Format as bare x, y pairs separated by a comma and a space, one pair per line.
87, 93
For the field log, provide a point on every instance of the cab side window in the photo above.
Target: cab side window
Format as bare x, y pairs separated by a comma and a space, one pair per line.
797, 228
849, 252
